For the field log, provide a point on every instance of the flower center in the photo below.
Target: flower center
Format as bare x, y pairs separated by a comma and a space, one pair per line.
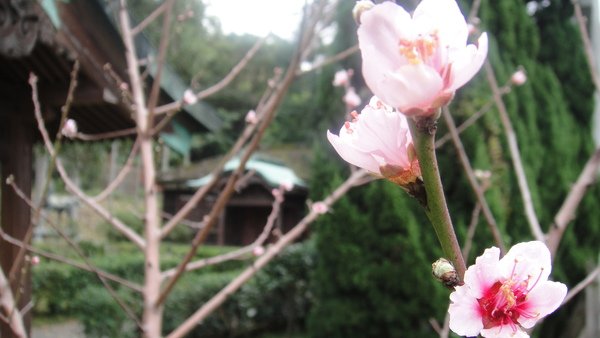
506, 301
420, 50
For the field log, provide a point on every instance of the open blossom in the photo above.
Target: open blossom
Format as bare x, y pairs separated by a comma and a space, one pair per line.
415, 64
503, 297
379, 141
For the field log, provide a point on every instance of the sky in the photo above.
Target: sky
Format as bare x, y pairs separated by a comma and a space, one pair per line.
257, 17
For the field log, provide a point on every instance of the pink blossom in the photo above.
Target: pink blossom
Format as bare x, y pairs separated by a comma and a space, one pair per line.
320, 208
258, 250
342, 77
35, 260
379, 141
69, 129
504, 297
251, 117
189, 97
518, 78
415, 64
351, 99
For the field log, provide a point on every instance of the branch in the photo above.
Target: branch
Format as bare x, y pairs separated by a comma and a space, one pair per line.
108, 135
513, 147
121, 175
260, 262
466, 164
587, 44
566, 213
264, 235
148, 20
582, 285
235, 71
338, 57
471, 231
9, 311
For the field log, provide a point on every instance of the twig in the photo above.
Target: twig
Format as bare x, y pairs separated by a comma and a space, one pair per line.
261, 261
591, 277
8, 306
148, 20
68, 261
108, 135
466, 164
587, 44
224, 82
121, 175
566, 213
260, 240
80, 253
513, 147
471, 231
270, 109
472, 119
340, 56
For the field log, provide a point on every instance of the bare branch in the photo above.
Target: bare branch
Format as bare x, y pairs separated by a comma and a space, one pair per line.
338, 57
235, 71
150, 18
591, 278
70, 262
108, 135
466, 164
566, 213
515, 155
8, 306
121, 175
261, 261
260, 240
471, 231
587, 44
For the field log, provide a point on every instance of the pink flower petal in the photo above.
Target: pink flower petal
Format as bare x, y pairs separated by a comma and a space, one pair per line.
465, 317
532, 261
443, 17
504, 331
481, 276
467, 62
410, 86
543, 300
351, 155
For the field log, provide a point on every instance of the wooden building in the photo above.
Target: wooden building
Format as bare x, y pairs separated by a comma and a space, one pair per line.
245, 215
45, 38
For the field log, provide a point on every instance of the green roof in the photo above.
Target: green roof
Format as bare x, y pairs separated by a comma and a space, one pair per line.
274, 173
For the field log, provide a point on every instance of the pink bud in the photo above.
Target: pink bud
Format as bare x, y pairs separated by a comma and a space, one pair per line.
320, 208
124, 86
351, 99
342, 77
69, 129
518, 78
251, 117
258, 251
189, 97
35, 260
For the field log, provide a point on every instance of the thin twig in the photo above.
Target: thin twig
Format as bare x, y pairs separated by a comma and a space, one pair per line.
340, 56
587, 44
591, 277
261, 261
270, 109
68, 261
80, 253
566, 213
260, 240
8, 306
471, 231
108, 135
466, 164
150, 18
515, 155
121, 175
224, 82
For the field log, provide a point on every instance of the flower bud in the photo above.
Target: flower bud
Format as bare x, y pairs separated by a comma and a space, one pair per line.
320, 208
69, 129
189, 97
258, 250
519, 77
360, 7
445, 272
251, 117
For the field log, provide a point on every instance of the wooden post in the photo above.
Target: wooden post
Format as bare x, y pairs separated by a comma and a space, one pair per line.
17, 157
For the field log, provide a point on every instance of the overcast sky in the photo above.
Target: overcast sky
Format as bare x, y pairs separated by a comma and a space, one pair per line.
257, 17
